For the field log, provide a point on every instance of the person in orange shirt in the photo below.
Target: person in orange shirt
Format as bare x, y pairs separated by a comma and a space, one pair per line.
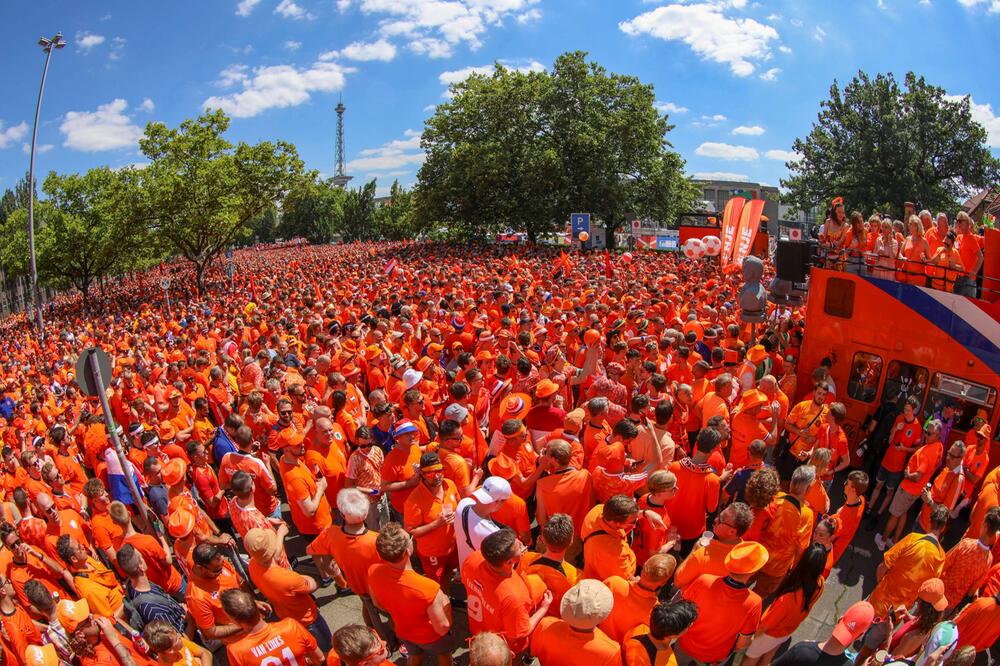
517, 461
564, 489
62, 521
25, 563
907, 433
848, 516
633, 600
577, 638
399, 475
649, 644
606, 550
306, 491
244, 460
728, 611
793, 600
596, 430
905, 567
95, 639
917, 474
816, 497
653, 537
211, 576
748, 426
801, 427
95, 582
970, 247
327, 453
107, 535
975, 463
284, 642
716, 402
155, 551
710, 558
699, 489
499, 598
552, 567
420, 610
172, 647
429, 514
289, 593
789, 532
946, 489
357, 645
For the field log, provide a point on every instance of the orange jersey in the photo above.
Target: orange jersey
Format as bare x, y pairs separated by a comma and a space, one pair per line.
282, 643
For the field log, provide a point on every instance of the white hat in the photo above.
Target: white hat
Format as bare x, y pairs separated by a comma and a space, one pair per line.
494, 489
412, 377
456, 412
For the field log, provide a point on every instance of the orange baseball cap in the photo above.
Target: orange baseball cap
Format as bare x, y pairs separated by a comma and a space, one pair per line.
71, 614
180, 523
854, 623
932, 591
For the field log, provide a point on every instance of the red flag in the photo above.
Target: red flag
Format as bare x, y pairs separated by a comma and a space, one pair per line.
319, 294
609, 270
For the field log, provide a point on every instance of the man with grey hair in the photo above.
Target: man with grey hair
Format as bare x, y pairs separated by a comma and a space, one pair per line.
789, 532
489, 649
917, 474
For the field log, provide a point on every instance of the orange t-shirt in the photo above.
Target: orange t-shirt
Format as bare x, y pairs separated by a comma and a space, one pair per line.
698, 496
300, 484
107, 534
161, 573
910, 562
710, 559
906, 434
636, 649
203, 599
497, 603
557, 576
354, 554
746, 428
332, 465
787, 535
606, 552
631, 607
405, 595
848, 518
724, 612
568, 491
281, 643
555, 643
785, 615
398, 466
423, 507
287, 591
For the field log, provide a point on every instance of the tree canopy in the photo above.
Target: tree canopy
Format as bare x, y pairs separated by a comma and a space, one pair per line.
522, 150
878, 144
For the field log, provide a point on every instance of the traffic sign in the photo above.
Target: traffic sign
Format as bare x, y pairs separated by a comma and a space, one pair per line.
579, 222
89, 383
165, 284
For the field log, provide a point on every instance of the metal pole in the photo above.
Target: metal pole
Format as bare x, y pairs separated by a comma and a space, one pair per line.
36, 299
166, 294
113, 433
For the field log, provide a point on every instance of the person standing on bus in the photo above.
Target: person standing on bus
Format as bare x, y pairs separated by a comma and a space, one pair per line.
886, 250
970, 246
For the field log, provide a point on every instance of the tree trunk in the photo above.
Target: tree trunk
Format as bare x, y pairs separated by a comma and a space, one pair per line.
532, 235
199, 274
609, 235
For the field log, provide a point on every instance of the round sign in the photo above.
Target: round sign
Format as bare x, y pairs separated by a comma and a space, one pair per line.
165, 284
85, 376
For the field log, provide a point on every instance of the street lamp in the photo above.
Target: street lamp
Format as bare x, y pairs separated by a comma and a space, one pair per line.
47, 45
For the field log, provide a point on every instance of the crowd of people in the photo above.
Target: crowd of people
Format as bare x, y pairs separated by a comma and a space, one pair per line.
592, 461
921, 249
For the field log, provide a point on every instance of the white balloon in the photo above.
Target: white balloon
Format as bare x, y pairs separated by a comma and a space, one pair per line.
694, 248
713, 246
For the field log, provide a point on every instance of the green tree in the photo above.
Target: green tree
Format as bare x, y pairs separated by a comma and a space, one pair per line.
524, 150
14, 198
358, 222
877, 144
313, 210
395, 219
83, 231
200, 193
263, 227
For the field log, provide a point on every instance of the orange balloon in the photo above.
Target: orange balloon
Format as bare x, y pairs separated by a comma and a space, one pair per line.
591, 337
584, 237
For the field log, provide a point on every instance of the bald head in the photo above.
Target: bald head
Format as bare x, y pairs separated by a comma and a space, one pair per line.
768, 385
488, 649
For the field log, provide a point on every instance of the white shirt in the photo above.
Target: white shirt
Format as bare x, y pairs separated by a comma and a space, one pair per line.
479, 529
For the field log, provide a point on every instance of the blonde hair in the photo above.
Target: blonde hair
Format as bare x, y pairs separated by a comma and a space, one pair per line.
917, 226
661, 480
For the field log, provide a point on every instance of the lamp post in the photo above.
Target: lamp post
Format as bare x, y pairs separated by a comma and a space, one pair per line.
47, 45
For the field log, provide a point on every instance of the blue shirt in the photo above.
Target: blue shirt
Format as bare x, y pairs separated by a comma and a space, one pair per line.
221, 445
7, 407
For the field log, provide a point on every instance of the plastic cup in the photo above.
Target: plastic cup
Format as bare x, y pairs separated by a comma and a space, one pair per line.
706, 539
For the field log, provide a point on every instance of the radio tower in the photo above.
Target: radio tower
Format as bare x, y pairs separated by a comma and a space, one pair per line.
340, 180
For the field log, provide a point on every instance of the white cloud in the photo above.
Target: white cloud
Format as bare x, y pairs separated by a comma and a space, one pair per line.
992, 5
382, 50
981, 113
86, 41
289, 9
717, 118
117, 45
108, 128
246, 7
343, 5
459, 75
783, 155
721, 175
796, 22
40, 148
740, 43
391, 157
435, 27
819, 34
669, 107
233, 75
785, 49
771, 74
12, 134
147, 105
292, 45
749, 130
276, 86
725, 151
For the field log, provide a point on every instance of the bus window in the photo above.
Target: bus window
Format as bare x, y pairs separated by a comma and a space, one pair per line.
839, 298
966, 398
866, 370
903, 380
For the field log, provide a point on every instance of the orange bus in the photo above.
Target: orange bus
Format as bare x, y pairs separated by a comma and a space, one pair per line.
893, 340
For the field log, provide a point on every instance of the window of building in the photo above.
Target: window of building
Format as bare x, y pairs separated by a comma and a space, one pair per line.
902, 381
963, 398
866, 370
839, 298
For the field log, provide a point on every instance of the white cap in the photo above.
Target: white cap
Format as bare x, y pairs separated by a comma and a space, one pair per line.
412, 377
494, 489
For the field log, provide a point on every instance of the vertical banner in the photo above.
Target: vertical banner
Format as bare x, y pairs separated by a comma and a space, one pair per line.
747, 232
730, 221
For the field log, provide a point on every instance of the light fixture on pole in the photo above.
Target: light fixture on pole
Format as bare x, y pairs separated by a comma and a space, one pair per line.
47, 45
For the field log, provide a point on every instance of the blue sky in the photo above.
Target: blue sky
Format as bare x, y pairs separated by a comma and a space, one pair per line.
740, 79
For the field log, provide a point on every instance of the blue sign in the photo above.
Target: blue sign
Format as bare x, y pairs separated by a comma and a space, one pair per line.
579, 222
668, 242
